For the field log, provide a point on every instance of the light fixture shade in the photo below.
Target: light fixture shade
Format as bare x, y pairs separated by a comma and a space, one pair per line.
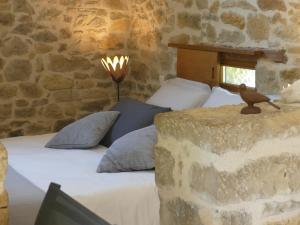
116, 67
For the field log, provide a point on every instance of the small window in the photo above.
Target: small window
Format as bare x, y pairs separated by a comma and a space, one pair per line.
237, 76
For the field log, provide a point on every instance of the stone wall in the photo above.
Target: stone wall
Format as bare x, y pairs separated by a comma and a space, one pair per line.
245, 23
3, 193
218, 167
50, 72
153, 61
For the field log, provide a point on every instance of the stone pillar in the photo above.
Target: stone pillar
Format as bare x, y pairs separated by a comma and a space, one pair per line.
218, 167
3, 193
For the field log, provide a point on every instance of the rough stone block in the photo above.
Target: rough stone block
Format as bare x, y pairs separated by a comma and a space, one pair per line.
234, 19
179, 212
219, 167
258, 27
263, 178
4, 216
18, 70
213, 130
236, 218
164, 163
276, 208
269, 5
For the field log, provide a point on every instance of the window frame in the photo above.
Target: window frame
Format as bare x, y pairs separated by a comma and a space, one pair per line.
234, 87
237, 61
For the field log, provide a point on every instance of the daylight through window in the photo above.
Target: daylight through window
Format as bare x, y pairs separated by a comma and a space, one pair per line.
237, 76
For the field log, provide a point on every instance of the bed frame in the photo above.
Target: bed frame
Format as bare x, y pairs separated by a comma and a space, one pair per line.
203, 63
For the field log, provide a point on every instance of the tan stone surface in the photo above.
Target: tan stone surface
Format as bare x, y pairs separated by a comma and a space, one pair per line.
3, 216
231, 37
212, 129
272, 5
189, 20
291, 221
202, 4
276, 207
260, 179
219, 167
235, 218
233, 19
179, 212
258, 27
165, 163
241, 4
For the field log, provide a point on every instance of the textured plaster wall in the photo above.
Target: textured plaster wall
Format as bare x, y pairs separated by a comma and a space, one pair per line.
245, 23
50, 51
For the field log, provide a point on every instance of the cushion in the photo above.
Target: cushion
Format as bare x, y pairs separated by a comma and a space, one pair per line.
180, 94
85, 133
132, 152
220, 97
134, 115
188, 83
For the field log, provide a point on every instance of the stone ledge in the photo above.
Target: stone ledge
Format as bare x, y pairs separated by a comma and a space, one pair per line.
3, 216
224, 129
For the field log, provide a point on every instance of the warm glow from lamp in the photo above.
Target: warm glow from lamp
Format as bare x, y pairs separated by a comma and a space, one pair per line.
117, 69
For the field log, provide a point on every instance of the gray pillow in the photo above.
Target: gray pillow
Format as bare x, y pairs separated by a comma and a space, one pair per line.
85, 133
134, 115
132, 152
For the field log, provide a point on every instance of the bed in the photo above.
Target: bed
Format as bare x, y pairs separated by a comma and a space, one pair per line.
114, 197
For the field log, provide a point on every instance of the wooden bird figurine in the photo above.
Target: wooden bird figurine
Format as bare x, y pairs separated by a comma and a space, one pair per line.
252, 97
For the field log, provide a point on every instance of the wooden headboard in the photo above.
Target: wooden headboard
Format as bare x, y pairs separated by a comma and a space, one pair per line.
198, 66
203, 63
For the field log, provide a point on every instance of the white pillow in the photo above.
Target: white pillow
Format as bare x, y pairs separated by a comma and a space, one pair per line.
220, 97
179, 94
188, 83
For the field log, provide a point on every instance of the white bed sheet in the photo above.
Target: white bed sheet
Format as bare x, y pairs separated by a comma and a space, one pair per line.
122, 199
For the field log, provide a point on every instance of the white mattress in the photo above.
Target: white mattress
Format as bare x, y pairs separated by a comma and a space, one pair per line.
122, 199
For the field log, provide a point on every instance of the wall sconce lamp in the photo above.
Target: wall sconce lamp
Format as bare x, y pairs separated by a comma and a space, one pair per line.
117, 69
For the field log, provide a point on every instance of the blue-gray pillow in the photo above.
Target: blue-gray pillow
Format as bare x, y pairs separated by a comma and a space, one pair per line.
132, 152
85, 133
134, 115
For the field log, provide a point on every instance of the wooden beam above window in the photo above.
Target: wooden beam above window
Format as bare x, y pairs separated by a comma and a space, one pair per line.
237, 54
